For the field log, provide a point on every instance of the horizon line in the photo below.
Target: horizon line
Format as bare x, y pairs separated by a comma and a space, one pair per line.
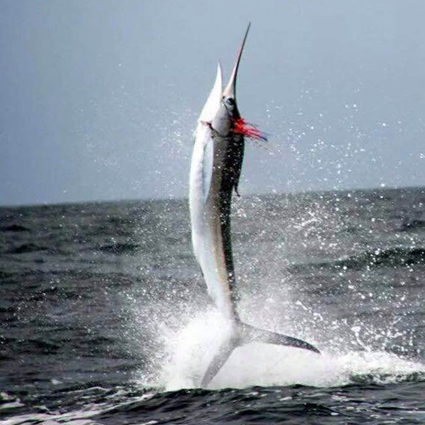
182, 198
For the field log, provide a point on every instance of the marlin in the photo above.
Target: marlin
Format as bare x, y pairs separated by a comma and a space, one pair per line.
214, 176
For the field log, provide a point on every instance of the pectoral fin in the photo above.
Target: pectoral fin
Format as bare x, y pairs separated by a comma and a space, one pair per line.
207, 167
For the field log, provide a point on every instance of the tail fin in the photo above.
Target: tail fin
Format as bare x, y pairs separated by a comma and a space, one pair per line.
224, 352
252, 334
245, 334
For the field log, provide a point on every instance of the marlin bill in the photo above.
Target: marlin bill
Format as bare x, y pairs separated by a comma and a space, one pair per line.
214, 176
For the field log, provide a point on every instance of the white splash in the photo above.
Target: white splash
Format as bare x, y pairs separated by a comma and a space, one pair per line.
192, 348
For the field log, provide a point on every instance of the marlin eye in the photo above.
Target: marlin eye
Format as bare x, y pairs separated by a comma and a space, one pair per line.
230, 101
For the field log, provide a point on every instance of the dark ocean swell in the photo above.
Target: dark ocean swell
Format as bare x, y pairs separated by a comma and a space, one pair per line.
104, 315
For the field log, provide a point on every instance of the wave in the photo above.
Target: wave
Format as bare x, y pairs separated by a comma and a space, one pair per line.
412, 225
391, 257
14, 228
119, 248
27, 248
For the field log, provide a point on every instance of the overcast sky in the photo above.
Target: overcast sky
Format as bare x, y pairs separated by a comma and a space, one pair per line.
99, 98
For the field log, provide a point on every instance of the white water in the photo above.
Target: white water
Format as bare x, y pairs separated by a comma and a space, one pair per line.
191, 349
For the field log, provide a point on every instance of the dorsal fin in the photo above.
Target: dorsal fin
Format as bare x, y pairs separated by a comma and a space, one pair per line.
213, 103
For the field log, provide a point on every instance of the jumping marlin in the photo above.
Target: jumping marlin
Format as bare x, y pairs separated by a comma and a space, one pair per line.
215, 171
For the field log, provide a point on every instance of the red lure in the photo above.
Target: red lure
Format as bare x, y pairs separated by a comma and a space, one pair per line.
249, 130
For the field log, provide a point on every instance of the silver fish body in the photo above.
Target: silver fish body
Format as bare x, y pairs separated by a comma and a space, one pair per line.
215, 172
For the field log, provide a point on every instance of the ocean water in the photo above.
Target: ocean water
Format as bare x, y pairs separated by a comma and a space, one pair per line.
104, 316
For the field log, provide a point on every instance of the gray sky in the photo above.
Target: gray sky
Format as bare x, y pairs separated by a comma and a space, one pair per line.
99, 98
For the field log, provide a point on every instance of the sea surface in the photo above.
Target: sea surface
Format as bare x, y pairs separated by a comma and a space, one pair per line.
105, 318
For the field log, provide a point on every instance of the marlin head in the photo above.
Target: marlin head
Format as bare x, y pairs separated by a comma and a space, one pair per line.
228, 118
228, 112
229, 93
